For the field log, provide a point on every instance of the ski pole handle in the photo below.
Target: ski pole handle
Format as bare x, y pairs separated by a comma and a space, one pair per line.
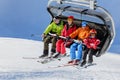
52, 34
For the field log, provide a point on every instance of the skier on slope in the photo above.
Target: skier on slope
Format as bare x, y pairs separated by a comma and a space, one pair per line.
55, 28
69, 27
81, 33
91, 43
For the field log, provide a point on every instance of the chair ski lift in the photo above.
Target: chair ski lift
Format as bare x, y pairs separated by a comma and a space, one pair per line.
86, 10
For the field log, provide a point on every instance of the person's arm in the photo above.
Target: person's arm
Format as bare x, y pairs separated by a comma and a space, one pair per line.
63, 31
97, 42
74, 34
59, 28
48, 29
86, 42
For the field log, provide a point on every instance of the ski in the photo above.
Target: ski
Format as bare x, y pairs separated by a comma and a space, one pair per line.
47, 60
63, 65
31, 58
34, 58
88, 65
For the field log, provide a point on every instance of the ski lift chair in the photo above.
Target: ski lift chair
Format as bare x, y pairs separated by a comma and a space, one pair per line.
86, 10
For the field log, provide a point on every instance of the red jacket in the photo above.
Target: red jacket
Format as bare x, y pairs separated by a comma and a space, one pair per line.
91, 42
66, 32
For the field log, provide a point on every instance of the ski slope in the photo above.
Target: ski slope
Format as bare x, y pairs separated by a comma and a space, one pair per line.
14, 67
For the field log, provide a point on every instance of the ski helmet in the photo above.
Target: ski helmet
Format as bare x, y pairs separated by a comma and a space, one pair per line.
84, 23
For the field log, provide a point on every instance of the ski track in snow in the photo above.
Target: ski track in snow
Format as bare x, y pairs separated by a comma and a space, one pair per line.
14, 67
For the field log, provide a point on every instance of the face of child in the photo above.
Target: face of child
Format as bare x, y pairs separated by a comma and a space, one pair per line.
92, 35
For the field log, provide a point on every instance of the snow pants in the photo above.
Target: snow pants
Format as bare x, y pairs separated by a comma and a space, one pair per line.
47, 40
90, 53
76, 51
60, 46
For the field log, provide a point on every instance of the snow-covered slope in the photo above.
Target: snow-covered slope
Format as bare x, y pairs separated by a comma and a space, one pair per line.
14, 67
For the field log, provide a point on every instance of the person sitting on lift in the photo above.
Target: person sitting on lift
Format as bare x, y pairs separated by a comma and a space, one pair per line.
69, 27
81, 33
54, 28
92, 44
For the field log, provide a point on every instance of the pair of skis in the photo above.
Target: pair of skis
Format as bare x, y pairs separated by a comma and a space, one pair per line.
43, 60
76, 66
47, 60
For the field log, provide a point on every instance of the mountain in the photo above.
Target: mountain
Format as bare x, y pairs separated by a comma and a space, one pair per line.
14, 67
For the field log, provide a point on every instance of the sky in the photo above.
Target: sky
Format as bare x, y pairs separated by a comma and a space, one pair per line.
113, 8
21, 18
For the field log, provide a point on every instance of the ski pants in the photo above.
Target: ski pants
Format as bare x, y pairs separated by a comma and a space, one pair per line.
47, 40
90, 53
60, 46
76, 54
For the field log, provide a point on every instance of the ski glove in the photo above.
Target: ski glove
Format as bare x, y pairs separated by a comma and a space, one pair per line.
68, 38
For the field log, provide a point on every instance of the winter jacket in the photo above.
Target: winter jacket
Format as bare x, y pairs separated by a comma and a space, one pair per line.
91, 42
67, 31
60, 45
54, 28
80, 33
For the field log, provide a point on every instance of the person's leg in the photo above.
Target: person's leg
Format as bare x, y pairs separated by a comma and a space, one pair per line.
58, 48
73, 48
53, 46
84, 57
90, 58
79, 52
85, 54
46, 47
63, 48
58, 45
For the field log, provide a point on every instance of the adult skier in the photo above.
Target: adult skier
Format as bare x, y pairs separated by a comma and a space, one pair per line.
61, 44
81, 33
55, 28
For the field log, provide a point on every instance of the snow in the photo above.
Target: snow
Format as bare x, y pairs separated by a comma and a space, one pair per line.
14, 67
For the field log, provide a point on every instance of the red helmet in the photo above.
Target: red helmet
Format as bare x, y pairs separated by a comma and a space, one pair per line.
93, 31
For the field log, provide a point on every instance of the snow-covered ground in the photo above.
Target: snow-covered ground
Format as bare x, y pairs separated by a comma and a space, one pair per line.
14, 67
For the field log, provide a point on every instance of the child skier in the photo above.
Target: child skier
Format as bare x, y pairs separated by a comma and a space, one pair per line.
91, 43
